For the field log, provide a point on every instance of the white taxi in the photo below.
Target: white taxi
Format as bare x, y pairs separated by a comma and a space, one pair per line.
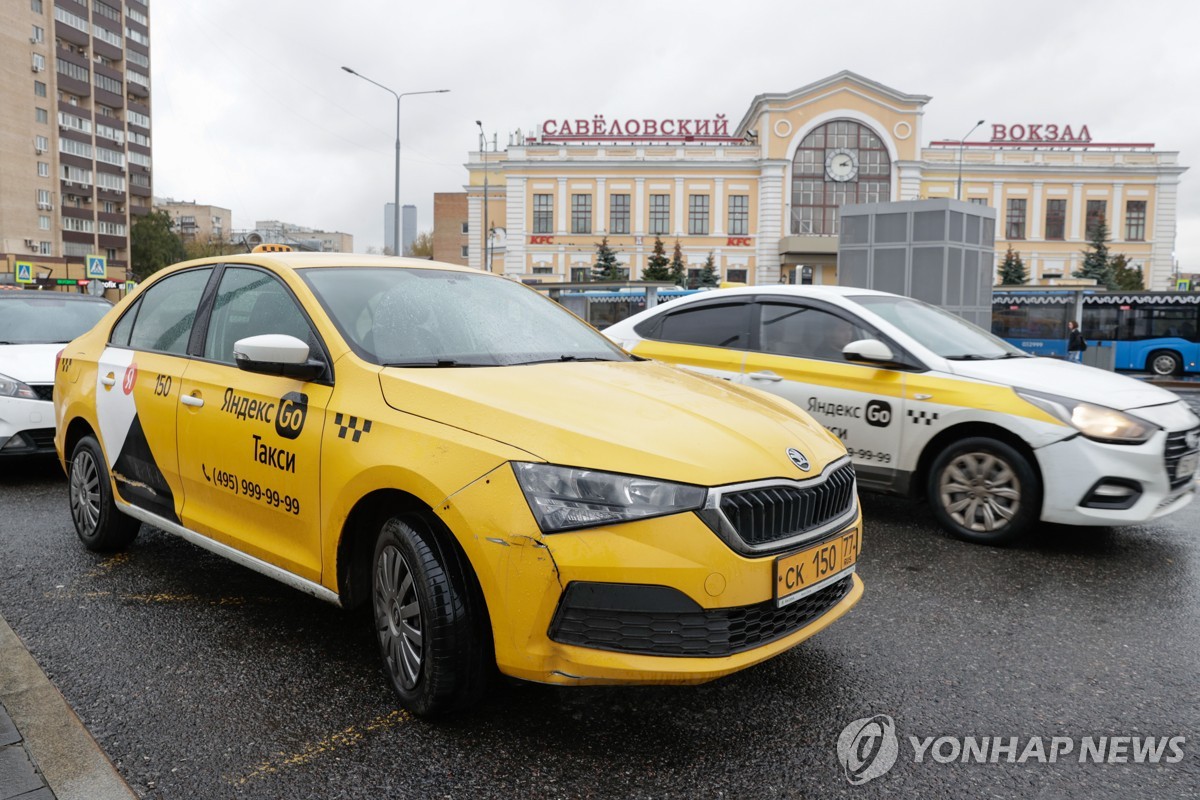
930, 405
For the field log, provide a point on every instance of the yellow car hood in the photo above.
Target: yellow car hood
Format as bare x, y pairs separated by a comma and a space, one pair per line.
642, 418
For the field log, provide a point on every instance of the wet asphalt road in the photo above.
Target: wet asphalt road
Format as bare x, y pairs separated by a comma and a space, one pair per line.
203, 680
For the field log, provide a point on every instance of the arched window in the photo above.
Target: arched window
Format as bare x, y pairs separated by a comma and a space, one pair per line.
840, 162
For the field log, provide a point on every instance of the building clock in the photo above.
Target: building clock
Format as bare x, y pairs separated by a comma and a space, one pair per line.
841, 164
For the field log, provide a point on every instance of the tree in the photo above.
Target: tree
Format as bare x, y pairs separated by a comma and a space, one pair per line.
1095, 259
153, 245
606, 268
708, 273
1125, 276
678, 270
422, 245
657, 266
203, 248
1012, 271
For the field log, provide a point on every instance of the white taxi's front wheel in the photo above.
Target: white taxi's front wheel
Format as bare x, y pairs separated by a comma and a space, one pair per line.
984, 491
427, 620
98, 522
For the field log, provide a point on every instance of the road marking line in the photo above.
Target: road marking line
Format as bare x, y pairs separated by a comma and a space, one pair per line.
346, 738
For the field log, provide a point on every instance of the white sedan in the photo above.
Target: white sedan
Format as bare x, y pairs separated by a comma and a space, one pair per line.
933, 406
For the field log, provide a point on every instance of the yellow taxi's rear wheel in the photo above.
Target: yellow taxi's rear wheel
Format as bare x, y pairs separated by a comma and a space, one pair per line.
100, 525
427, 617
984, 491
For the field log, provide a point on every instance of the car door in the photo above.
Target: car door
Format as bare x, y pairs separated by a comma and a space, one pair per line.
138, 379
796, 353
249, 443
710, 337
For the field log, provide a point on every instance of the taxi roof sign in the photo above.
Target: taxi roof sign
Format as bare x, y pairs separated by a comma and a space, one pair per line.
271, 248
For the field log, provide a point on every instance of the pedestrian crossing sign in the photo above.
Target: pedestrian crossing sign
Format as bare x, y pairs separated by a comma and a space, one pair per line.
130, 286
24, 272
97, 267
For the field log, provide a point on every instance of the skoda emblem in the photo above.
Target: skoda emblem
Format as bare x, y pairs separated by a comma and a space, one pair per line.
798, 458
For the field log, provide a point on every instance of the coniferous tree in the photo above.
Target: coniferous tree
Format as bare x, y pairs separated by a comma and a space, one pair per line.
1125, 276
1095, 259
606, 268
658, 265
153, 244
708, 273
678, 270
1012, 270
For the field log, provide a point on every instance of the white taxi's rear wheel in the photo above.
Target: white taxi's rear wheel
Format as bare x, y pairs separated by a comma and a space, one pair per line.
100, 525
984, 491
427, 620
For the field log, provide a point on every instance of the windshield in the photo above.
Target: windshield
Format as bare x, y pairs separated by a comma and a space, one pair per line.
45, 319
944, 333
441, 318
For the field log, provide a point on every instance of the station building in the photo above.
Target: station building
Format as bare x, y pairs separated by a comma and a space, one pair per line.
762, 195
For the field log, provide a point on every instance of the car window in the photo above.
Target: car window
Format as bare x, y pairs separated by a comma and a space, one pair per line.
725, 325
947, 335
251, 302
805, 332
167, 312
46, 319
444, 318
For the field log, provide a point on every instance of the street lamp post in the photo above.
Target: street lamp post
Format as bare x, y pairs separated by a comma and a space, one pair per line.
961, 144
487, 261
396, 211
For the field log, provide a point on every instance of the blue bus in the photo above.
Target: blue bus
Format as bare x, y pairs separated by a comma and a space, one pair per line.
1156, 332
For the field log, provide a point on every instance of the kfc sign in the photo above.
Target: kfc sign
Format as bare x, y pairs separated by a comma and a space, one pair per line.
1040, 133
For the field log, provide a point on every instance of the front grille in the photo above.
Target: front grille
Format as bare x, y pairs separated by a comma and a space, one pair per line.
700, 633
43, 391
1177, 448
774, 513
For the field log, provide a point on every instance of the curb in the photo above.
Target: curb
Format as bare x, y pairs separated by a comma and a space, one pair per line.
71, 764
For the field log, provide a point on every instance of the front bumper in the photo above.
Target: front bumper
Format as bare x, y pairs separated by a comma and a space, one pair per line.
1073, 468
719, 615
26, 427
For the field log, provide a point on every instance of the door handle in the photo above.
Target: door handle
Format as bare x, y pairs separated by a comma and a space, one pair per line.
191, 400
109, 380
765, 375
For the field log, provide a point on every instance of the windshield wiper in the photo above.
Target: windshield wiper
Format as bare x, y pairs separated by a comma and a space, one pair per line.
563, 358
432, 363
968, 357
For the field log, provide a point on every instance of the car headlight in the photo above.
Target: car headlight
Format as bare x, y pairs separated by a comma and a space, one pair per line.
565, 498
1095, 422
11, 387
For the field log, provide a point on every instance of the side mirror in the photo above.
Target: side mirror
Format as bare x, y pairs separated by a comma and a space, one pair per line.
871, 350
276, 354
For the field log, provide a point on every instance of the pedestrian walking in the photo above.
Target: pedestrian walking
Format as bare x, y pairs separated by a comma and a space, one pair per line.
1076, 344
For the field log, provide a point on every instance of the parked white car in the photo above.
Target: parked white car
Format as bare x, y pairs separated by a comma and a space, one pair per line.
34, 327
930, 405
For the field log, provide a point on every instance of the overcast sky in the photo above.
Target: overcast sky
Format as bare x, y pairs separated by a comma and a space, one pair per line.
252, 112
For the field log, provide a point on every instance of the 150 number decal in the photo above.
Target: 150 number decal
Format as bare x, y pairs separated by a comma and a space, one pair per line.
255, 491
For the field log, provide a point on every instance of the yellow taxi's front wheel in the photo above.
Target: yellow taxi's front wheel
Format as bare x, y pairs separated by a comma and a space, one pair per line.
100, 525
429, 619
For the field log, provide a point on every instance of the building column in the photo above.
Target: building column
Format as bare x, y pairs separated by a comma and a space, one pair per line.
474, 225
718, 212
599, 218
1035, 213
1116, 222
679, 218
909, 180
1159, 274
638, 207
770, 222
564, 223
516, 229
1074, 233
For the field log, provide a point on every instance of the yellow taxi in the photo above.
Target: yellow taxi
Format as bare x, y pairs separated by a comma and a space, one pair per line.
504, 486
